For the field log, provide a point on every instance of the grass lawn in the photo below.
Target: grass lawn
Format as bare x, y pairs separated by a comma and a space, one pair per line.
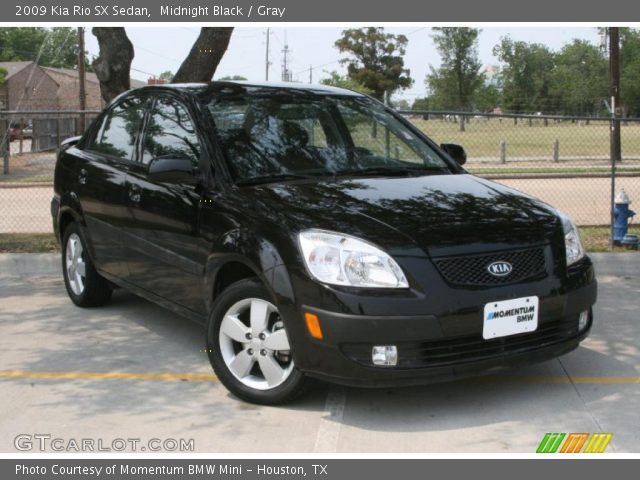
482, 137
28, 243
596, 239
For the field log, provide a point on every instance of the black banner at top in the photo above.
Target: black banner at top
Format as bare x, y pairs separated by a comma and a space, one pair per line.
238, 11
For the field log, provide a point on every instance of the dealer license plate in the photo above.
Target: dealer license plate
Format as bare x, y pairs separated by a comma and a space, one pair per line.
510, 317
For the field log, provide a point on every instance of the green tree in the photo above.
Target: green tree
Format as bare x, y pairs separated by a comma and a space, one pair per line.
233, 78
50, 47
166, 75
337, 80
400, 104
421, 104
455, 84
375, 60
487, 98
3, 76
579, 81
525, 76
630, 71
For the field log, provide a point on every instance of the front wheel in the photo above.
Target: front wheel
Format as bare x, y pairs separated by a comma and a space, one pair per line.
248, 346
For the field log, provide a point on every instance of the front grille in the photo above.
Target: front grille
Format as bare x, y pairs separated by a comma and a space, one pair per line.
471, 270
441, 353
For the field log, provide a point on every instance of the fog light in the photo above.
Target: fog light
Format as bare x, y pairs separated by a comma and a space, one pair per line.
583, 320
384, 355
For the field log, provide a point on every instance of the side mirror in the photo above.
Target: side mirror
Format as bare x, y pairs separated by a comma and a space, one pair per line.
455, 151
170, 169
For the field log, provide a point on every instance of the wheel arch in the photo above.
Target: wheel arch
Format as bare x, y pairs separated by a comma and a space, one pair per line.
241, 254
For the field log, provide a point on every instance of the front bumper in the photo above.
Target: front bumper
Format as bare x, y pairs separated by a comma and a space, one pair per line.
445, 343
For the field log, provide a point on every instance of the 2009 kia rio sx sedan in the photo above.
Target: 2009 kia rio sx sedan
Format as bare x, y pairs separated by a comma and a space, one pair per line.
316, 234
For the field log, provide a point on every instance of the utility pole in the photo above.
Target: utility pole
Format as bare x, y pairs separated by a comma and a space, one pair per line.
616, 111
81, 78
310, 73
266, 57
286, 74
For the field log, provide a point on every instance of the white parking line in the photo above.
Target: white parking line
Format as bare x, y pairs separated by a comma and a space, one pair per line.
331, 421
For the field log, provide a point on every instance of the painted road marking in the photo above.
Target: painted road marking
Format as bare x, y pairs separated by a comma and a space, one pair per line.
191, 377
210, 377
331, 421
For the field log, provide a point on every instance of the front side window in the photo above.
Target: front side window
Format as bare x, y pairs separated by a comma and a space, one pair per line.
117, 134
270, 135
170, 133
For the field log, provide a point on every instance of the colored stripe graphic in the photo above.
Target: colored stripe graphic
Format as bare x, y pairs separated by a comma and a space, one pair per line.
550, 442
574, 443
598, 443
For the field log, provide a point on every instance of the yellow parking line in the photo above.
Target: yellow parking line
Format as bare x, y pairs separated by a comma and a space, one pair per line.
191, 377
210, 377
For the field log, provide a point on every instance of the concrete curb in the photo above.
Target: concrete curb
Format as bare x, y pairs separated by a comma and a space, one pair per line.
24, 264
622, 264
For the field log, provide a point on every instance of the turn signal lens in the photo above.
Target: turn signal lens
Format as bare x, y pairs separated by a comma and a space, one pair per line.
313, 325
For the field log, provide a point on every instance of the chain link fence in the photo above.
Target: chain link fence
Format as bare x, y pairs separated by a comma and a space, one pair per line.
28, 144
564, 161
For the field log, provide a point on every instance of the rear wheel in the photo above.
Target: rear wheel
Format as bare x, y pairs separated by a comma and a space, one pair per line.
85, 286
249, 348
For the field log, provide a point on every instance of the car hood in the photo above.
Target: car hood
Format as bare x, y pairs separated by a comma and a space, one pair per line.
438, 214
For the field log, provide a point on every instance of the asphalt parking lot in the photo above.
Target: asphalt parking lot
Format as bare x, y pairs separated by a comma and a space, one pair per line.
134, 370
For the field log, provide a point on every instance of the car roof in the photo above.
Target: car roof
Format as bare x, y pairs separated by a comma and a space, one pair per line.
250, 87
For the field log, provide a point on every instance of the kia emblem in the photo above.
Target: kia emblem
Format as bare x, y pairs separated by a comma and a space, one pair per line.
499, 269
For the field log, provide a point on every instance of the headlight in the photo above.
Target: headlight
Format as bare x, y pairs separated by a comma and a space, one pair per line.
572, 243
341, 259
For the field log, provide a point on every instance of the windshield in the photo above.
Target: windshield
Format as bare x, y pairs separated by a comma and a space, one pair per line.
293, 136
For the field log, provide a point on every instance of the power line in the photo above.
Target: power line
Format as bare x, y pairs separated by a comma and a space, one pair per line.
155, 53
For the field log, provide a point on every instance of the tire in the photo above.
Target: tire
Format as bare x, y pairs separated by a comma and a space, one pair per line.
85, 287
245, 339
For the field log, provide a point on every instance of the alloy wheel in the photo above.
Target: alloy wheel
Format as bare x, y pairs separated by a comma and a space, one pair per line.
254, 344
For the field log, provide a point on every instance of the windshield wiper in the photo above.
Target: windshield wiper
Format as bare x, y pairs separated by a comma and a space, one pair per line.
276, 177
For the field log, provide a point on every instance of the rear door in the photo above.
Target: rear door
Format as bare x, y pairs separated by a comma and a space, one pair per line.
101, 171
162, 228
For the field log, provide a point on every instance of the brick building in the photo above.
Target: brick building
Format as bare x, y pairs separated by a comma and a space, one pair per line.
31, 87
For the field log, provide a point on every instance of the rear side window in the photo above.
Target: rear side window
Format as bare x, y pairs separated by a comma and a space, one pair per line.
170, 132
119, 129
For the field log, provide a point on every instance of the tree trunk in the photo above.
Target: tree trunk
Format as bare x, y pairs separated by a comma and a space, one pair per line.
205, 55
113, 65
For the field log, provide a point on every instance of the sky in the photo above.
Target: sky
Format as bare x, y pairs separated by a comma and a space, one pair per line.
163, 48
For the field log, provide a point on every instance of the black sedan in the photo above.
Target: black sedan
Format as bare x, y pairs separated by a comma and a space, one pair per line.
315, 233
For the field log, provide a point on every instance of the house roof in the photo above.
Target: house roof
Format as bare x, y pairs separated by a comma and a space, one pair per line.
59, 75
64, 74
13, 67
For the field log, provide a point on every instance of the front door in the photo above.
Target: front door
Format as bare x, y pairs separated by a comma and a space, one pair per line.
162, 231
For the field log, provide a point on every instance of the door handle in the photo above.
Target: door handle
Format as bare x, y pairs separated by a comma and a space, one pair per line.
82, 176
134, 193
